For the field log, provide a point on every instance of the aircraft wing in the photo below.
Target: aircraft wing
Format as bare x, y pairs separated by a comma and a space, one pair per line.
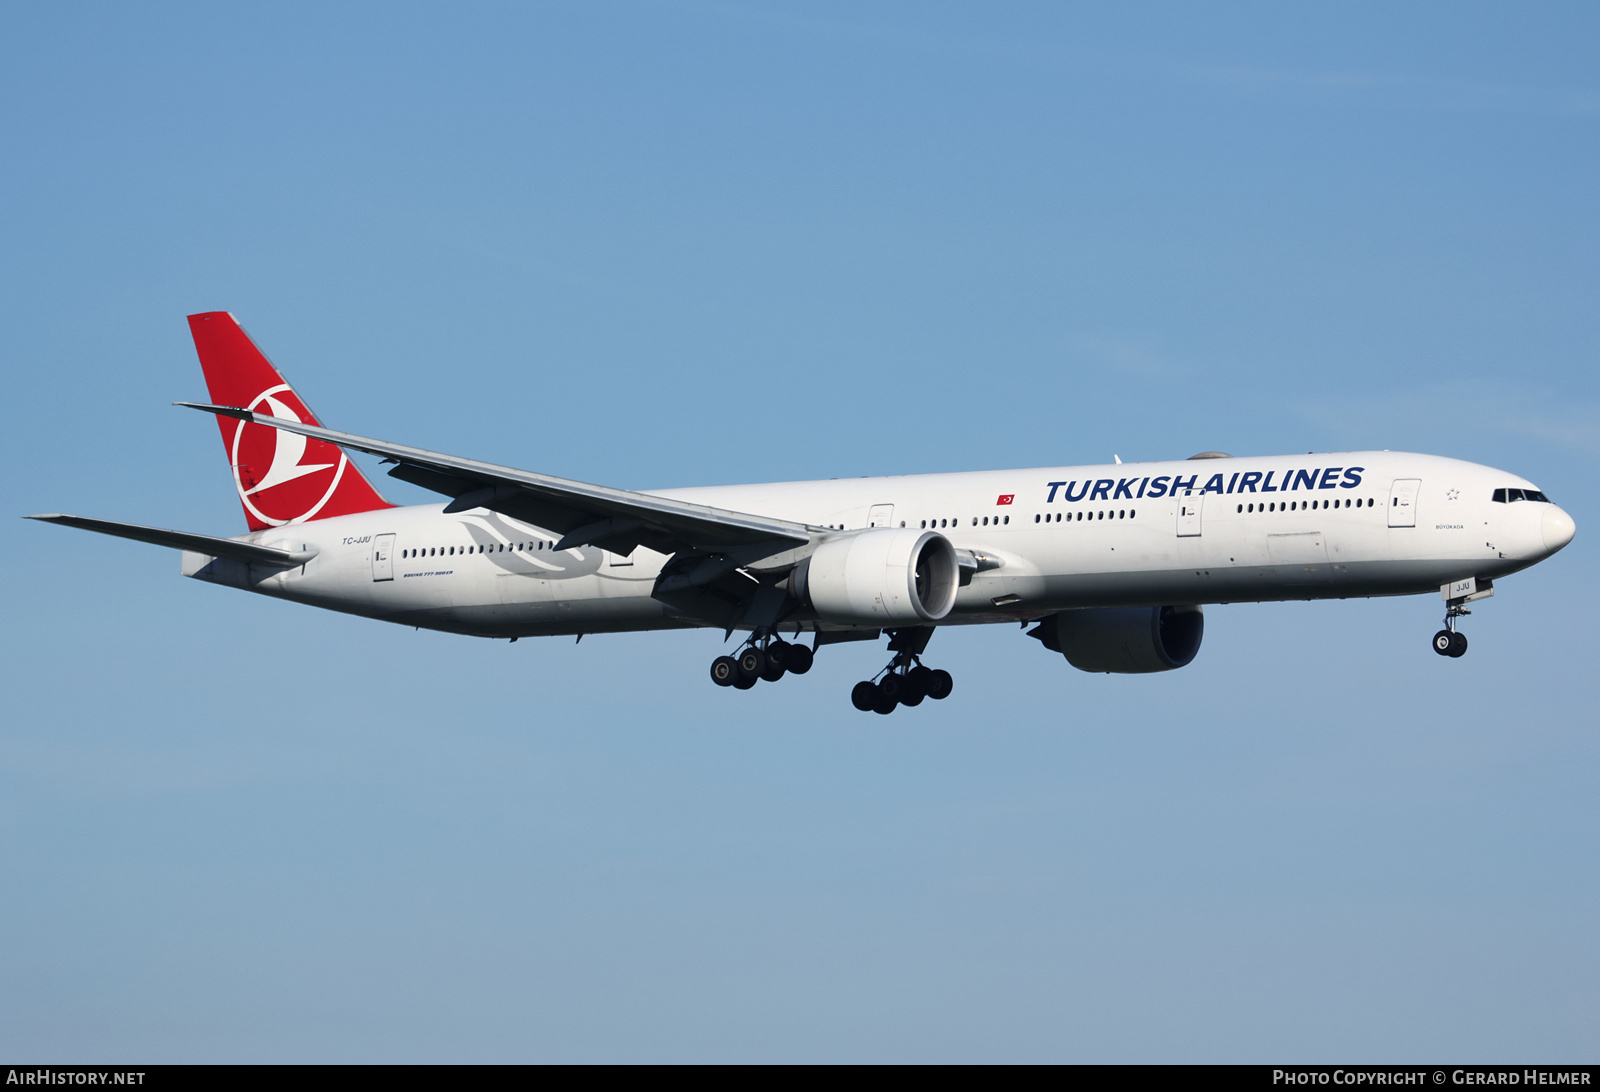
184, 540
613, 519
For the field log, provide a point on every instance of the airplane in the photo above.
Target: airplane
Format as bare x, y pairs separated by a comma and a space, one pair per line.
1111, 565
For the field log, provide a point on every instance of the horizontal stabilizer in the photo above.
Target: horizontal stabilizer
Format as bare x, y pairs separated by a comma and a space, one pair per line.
183, 540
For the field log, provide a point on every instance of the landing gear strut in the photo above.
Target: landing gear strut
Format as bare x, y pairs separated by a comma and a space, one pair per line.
905, 681
1449, 641
766, 656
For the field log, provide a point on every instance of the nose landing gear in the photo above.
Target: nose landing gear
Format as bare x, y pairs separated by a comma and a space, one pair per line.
905, 681
1449, 641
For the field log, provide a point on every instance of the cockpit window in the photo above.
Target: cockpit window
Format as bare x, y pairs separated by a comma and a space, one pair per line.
1506, 496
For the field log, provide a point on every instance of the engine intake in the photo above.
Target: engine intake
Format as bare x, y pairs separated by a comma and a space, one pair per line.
889, 576
1124, 640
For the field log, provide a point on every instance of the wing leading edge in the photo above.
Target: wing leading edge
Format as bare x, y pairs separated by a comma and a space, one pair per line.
618, 520
723, 566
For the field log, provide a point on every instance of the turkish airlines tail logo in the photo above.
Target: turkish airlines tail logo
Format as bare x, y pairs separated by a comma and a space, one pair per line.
281, 477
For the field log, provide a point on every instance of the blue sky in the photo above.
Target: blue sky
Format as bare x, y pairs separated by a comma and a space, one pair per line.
674, 244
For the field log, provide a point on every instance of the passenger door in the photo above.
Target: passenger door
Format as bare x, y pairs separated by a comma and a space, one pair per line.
1189, 506
383, 557
1403, 502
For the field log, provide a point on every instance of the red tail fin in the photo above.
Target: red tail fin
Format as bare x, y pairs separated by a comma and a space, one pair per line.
282, 478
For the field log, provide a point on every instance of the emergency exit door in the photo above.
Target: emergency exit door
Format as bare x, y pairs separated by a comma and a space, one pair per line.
383, 557
881, 515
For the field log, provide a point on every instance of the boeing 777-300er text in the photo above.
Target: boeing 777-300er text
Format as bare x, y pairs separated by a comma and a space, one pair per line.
1111, 565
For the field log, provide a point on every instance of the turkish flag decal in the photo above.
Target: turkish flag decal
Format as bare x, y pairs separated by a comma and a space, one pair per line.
1006, 498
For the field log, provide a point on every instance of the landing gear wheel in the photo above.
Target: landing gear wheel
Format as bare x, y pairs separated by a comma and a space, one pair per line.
864, 696
745, 682
724, 670
1444, 642
752, 662
774, 671
913, 688
798, 659
904, 681
1458, 647
778, 653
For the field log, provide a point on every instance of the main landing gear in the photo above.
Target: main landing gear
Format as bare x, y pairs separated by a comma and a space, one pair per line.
905, 681
767, 657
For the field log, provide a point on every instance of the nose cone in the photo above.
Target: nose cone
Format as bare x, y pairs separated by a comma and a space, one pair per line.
1558, 529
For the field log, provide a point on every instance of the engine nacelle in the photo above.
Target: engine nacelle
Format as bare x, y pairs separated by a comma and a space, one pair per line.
885, 577
1124, 640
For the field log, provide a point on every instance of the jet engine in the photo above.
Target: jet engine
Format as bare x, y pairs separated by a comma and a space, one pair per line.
883, 577
1124, 640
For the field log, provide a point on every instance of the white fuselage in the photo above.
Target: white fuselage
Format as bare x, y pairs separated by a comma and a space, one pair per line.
1325, 526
